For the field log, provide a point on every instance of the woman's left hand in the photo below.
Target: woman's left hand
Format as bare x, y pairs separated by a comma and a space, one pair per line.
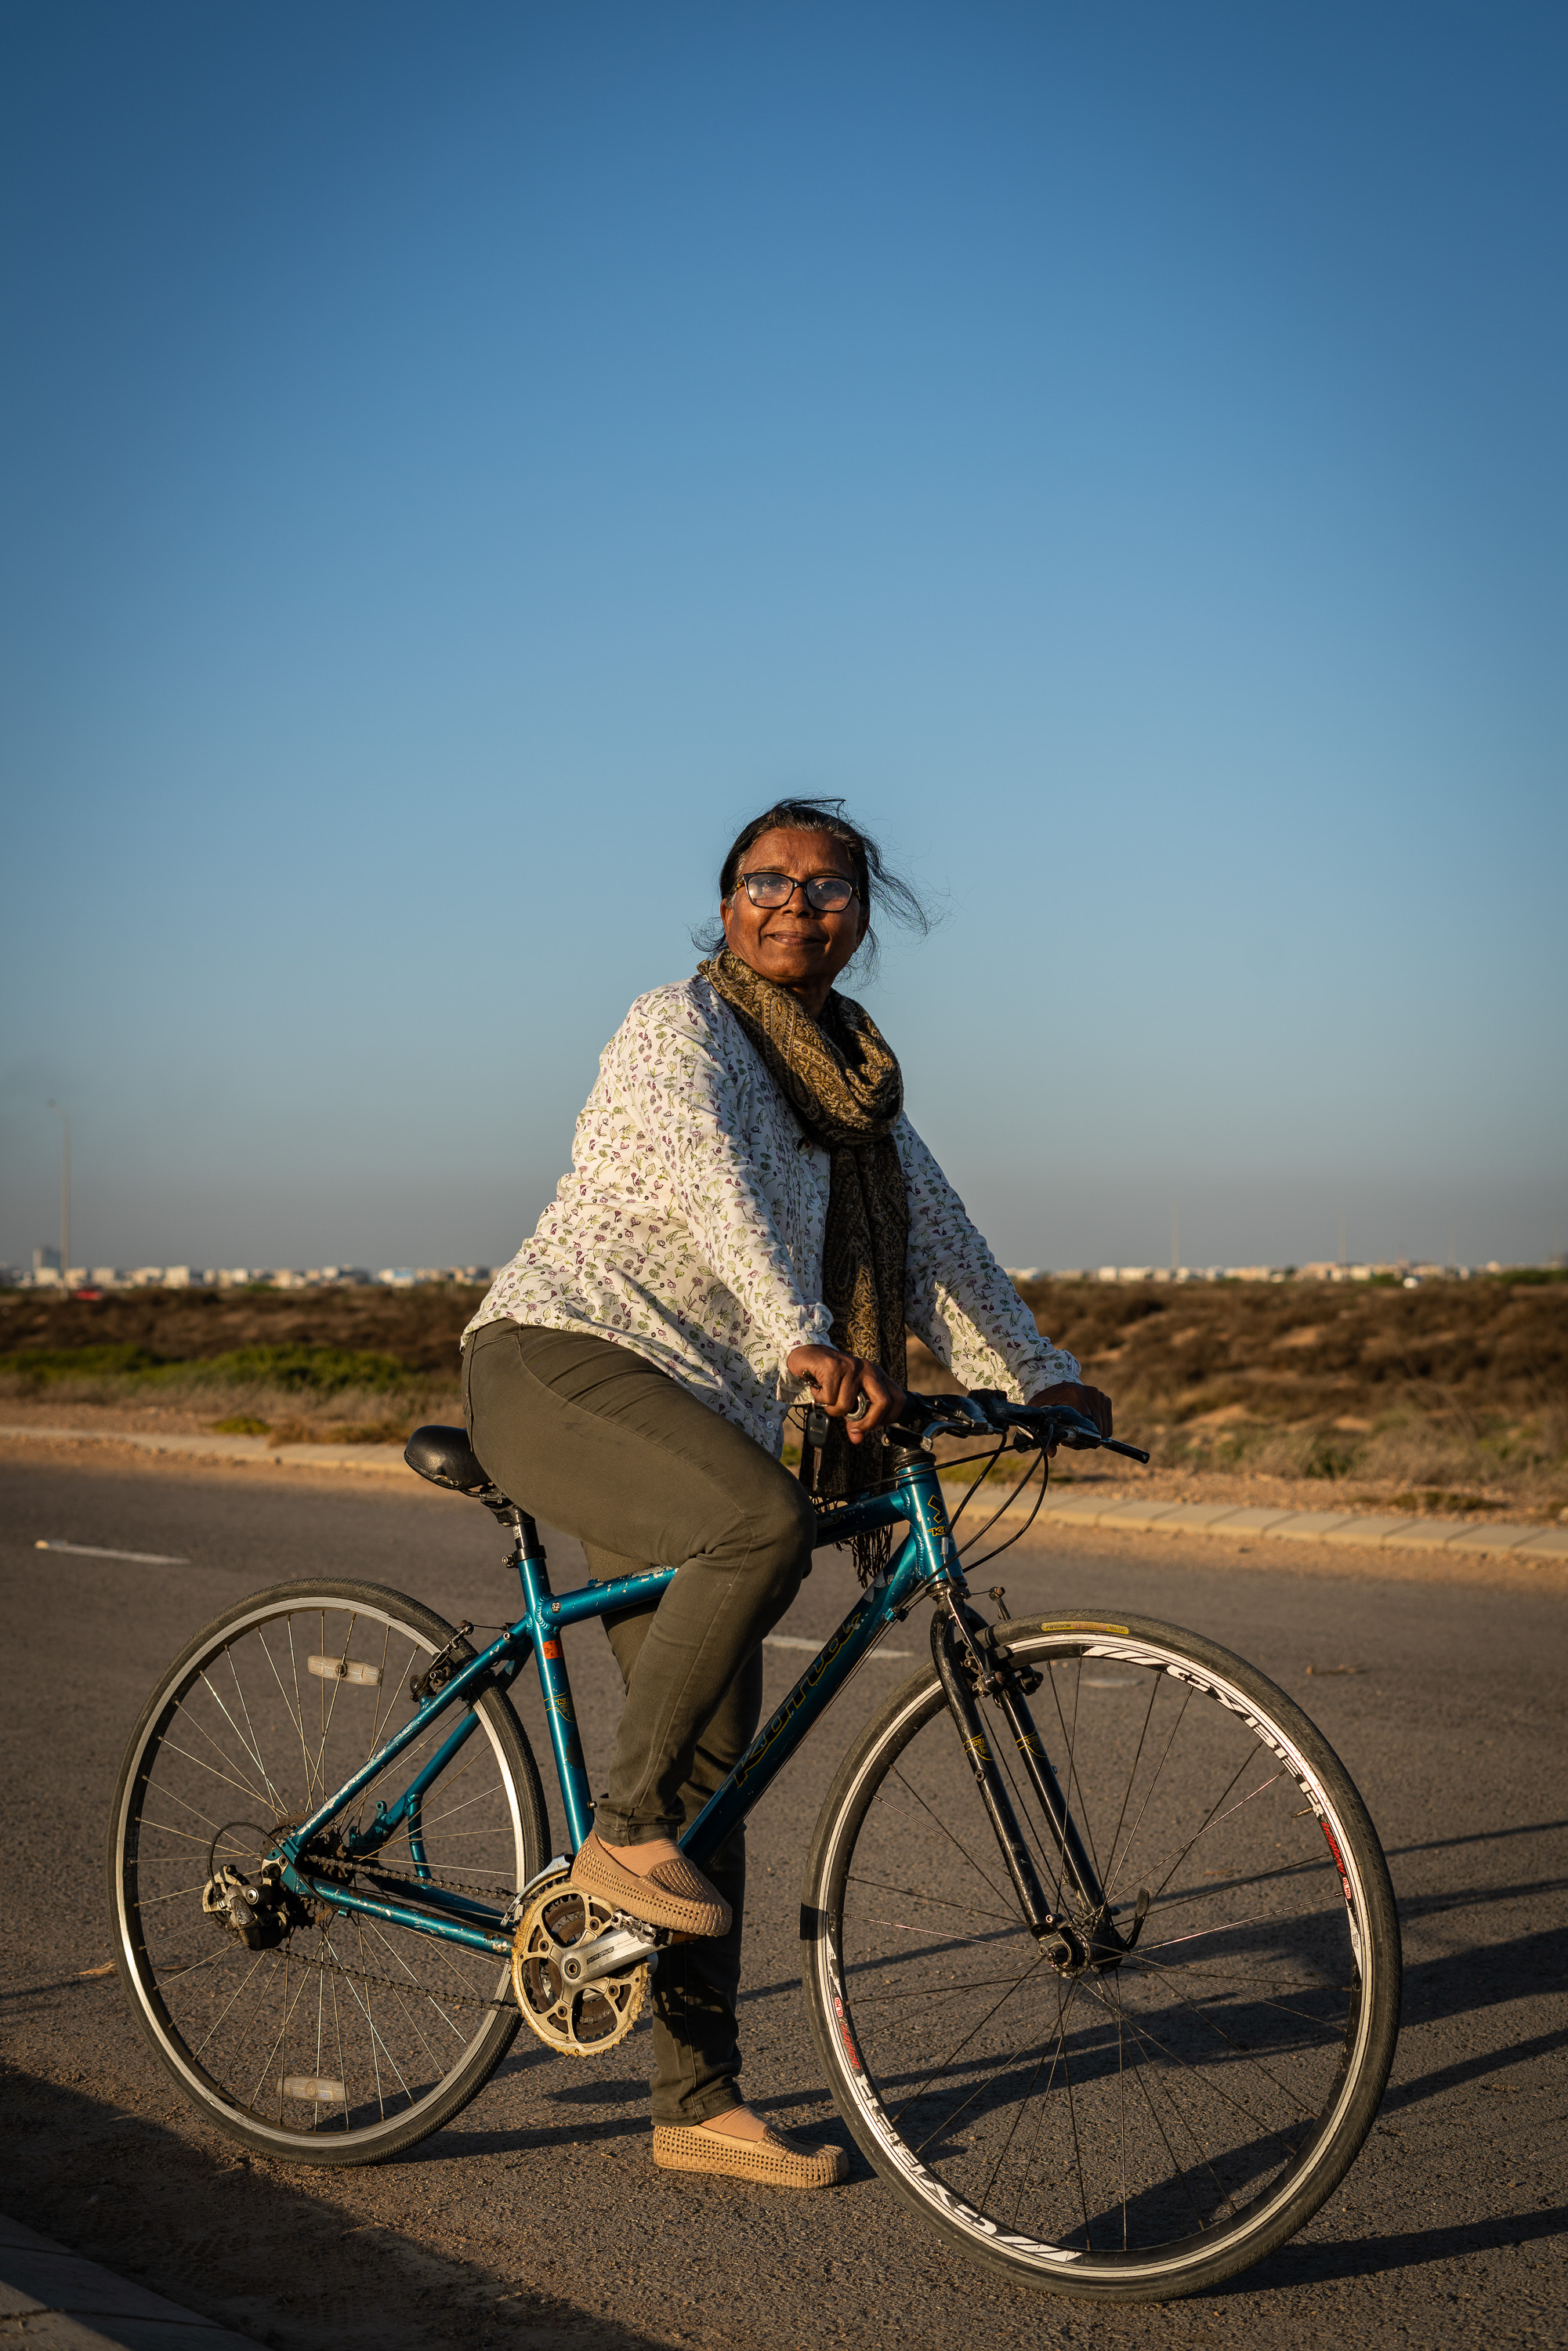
1092, 1402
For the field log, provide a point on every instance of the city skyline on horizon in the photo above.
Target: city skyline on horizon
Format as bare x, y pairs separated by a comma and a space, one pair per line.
1446, 1252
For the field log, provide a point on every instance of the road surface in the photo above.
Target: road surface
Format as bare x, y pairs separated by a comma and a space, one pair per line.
537, 2218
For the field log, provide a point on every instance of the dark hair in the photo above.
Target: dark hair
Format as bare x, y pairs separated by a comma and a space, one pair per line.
881, 891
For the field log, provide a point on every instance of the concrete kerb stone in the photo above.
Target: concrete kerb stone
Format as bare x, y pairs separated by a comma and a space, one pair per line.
1252, 1521
1368, 1530
70, 2304
1310, 1526
1498, 1538
1417, 1537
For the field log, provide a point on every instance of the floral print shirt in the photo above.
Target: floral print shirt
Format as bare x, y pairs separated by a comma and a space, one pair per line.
690, 1230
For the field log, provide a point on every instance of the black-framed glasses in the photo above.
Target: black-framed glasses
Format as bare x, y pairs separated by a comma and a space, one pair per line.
826, 894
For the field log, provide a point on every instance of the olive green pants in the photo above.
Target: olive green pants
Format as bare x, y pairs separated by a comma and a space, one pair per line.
601, 1443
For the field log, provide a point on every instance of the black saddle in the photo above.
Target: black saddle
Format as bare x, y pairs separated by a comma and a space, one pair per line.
446, 1456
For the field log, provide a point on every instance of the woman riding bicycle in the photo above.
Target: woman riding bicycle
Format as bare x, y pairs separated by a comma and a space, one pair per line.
749, 1222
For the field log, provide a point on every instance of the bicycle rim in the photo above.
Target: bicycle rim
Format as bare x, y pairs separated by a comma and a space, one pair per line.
353, 2037
1137, 2132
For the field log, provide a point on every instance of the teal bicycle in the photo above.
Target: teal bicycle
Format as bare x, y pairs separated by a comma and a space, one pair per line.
1099, 1948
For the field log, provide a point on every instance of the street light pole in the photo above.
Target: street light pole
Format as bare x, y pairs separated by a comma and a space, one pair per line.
65, 1196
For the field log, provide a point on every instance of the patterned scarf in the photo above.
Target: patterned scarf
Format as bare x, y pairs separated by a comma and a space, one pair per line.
843, 1083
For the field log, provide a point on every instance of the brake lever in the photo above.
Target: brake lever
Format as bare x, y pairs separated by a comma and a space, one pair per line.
1078, 1433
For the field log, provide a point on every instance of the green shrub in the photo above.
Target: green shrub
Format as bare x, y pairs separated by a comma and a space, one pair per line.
39, 1366
299, 1370
302, 1370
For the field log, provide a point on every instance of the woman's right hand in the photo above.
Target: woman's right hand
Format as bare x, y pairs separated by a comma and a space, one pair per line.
840, 1381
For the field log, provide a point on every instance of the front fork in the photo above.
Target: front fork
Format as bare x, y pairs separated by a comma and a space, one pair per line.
1085, 1936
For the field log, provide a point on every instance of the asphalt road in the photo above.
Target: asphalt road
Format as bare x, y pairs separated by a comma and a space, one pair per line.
537, 2218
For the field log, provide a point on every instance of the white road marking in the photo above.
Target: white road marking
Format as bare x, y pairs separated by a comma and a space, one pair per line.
96, 1551
793, 1641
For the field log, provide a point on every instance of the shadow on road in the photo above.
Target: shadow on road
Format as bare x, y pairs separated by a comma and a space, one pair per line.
1305, 2264
244, 2243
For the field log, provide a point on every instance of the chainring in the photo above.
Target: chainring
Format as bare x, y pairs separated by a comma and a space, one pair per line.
575, 2023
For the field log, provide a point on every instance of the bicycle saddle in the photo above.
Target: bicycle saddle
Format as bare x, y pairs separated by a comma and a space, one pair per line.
446, 1456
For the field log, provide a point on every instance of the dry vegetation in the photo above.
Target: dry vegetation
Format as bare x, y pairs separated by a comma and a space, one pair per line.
339, 1366
1450, 1397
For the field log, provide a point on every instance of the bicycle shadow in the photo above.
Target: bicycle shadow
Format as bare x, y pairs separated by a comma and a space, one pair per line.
1468, 1982
1303, 2263
515, 2144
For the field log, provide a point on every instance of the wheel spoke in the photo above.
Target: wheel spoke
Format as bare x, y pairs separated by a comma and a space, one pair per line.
1116, 2106
335, 2033
953, 1841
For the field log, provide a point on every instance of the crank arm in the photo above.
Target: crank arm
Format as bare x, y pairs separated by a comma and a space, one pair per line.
612, 1953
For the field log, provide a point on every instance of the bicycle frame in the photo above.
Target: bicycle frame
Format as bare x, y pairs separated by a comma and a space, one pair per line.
926, 1561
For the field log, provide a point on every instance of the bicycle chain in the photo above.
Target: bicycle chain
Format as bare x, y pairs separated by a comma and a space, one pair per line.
411, 1877
403, 1983
393, 1983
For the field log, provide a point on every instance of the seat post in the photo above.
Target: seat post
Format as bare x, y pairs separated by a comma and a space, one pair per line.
528, 1556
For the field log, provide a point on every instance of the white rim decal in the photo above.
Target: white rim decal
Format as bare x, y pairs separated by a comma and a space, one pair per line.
826, 1960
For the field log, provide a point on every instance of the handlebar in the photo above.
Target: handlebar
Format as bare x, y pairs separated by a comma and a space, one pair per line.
987, 1413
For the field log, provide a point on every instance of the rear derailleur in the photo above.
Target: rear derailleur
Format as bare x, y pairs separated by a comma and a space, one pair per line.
262, 1914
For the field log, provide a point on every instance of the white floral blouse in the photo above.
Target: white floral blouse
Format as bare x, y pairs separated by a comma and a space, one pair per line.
690, 1229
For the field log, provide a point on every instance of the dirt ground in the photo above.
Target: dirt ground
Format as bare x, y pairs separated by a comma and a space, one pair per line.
1450, 1399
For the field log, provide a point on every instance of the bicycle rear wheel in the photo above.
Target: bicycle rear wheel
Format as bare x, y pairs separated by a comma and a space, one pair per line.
1137, 2132
354, 2037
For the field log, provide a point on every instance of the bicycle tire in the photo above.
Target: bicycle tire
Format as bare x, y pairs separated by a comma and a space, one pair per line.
225, 1720
1019, 2168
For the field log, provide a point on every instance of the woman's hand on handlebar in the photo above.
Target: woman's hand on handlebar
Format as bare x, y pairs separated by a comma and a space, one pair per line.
840, 1381
1092, 1402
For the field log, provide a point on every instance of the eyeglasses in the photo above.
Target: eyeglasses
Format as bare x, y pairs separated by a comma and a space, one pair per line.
826, 894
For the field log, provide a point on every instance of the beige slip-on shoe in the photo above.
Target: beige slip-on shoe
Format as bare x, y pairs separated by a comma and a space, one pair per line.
675, 1894
777, 2160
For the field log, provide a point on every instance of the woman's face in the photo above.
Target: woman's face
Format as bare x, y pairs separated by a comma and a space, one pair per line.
794, 945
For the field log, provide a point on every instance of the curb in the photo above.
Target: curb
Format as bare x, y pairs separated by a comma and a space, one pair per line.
65, 2303
381, 1458
1342, 1527
1538, 1545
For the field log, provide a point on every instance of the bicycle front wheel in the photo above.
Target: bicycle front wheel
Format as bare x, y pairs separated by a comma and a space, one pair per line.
1125, 2132
352, 2037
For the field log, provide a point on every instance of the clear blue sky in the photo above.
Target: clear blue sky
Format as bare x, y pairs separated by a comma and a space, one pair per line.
460, 459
